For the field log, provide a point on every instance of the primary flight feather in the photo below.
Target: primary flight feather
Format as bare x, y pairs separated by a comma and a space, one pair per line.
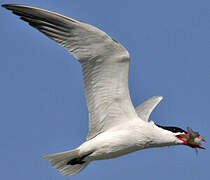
115, 126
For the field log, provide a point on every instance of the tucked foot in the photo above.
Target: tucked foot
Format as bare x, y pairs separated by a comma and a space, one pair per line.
79, 160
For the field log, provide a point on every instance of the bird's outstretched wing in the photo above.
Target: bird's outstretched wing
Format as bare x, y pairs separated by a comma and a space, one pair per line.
104, 61
145, 109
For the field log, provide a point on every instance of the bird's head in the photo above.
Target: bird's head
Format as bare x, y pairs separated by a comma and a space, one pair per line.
189, 137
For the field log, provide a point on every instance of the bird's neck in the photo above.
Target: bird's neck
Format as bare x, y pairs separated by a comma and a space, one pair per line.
153, 136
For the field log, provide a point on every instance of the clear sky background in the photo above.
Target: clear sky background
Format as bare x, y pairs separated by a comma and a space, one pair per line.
42, 102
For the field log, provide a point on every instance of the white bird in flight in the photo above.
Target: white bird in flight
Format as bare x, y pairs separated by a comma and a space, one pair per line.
116, 128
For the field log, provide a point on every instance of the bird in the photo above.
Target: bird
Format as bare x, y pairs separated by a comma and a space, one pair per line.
116, 127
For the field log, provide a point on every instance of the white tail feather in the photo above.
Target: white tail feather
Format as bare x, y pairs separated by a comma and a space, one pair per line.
60, 160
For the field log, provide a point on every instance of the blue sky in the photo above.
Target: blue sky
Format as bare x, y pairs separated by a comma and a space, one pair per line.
42, 102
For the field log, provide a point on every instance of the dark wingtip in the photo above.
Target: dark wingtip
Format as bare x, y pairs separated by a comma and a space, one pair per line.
10, 6
6, 5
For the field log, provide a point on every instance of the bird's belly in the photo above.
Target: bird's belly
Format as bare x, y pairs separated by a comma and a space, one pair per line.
110, 151
110, 145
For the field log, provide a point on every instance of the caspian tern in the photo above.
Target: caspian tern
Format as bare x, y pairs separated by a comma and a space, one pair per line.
116, 128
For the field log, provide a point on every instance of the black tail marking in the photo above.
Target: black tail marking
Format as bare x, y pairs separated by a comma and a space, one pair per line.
79, 160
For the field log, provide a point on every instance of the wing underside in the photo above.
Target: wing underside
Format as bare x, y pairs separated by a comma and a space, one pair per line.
145, 109
105, 64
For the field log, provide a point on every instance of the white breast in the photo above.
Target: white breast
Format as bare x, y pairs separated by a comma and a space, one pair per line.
114, 143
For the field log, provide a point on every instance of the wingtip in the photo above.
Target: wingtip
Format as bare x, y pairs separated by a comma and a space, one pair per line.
4, 5
7, 6
158, 97
161, 97
11, 6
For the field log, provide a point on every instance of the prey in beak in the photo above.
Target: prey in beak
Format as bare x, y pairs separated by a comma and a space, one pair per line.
192, 139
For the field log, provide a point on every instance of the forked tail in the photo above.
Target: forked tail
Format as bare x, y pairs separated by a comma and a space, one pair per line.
65, 162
